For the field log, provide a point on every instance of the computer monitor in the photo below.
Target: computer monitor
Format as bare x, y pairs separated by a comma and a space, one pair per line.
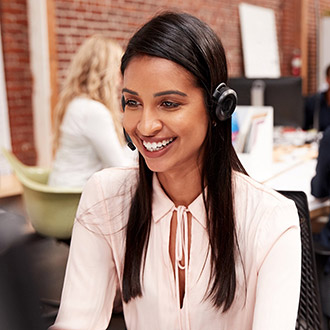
283, 94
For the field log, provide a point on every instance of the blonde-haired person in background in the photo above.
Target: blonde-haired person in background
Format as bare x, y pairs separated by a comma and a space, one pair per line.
88, 133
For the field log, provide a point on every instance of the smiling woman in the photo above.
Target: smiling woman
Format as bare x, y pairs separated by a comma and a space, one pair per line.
187, 238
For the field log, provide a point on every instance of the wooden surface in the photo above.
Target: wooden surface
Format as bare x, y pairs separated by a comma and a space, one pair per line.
9, 186
319, 212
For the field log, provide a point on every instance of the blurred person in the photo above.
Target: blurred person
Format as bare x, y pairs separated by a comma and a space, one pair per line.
317, 108
188, 238
320, 186
88, 133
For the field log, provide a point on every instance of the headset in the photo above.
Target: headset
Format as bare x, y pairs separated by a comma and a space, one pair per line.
127, 137
225, 100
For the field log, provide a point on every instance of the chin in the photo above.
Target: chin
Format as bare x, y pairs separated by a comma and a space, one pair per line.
154, 167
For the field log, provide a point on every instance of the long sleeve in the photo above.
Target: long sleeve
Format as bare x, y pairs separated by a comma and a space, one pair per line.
320, 183
269, 241
91, 279
90, 284
278, 285
279, 274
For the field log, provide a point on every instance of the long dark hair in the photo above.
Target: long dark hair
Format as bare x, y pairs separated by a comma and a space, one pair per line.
187, 41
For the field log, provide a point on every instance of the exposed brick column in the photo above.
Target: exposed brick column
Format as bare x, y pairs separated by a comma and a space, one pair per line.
14, 28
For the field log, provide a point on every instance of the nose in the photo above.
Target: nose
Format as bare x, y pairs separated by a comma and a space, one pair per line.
150, 123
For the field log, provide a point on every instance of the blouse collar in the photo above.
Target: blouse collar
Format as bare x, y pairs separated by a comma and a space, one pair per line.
162, 204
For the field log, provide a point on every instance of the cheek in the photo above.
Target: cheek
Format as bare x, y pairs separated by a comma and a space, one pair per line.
200, 124
194, 132
202, 132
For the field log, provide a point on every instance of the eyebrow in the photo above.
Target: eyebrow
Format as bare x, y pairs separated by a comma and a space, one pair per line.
129, 91
170, 92
156, 94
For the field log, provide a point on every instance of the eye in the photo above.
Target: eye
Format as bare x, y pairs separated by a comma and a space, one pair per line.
170, 104
131, 103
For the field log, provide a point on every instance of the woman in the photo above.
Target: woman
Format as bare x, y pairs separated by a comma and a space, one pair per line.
88, 134
189, 239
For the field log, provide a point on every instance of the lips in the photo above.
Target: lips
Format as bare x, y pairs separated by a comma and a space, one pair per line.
156, 146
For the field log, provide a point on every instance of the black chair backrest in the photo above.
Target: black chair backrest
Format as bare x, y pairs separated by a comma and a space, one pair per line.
19, 299
309, 312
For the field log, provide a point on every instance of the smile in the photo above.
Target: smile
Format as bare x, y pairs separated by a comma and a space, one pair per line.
155, 146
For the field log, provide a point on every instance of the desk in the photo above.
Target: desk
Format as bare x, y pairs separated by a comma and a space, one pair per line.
9, 186
299, 177
292, 171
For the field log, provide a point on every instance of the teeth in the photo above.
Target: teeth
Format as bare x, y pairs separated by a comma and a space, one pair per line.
157, 146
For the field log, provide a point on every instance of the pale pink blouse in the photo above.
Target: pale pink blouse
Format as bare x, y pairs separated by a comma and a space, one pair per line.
269, 241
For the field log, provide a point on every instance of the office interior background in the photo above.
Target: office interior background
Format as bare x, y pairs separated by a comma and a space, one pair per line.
39, 38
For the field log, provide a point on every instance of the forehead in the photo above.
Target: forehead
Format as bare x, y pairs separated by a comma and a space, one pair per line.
157, 72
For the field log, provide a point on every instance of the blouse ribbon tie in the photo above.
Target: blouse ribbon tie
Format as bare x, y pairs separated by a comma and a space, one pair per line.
181, 248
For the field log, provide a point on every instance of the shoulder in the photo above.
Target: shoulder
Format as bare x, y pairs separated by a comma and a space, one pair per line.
261, 208
84, 105
89, 115
262, 215
248, 190
115, 180
107, 196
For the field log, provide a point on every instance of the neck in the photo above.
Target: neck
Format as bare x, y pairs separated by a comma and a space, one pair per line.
181, 188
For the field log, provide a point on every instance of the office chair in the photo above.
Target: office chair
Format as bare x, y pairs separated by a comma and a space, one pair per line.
51, 210
322, 255
309, 313
19, 300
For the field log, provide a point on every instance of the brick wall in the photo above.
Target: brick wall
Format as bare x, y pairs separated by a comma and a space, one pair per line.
77, 19
15, 44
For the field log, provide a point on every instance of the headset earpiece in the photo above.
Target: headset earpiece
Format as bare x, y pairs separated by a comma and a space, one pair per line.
226, 100
127, 137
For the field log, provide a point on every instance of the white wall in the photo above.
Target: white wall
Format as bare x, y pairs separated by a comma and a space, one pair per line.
5, 140
259, 41
324, 50
39, 57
